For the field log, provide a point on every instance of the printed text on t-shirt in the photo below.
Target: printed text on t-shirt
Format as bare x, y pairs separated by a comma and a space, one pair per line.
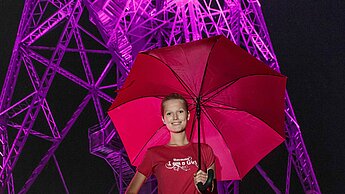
181, 163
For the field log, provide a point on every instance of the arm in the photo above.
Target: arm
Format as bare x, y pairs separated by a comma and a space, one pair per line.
136, 183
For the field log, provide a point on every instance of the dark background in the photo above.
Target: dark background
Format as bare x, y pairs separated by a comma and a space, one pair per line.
308, 39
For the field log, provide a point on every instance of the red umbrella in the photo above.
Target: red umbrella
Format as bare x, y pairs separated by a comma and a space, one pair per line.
241, 101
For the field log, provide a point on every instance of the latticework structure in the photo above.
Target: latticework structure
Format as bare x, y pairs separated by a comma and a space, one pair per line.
53, 41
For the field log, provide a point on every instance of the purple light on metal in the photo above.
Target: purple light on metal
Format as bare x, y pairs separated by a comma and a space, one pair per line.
9, 162
33, 27
126, 27
173, 22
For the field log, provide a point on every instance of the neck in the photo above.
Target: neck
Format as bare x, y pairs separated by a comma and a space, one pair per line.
178, 139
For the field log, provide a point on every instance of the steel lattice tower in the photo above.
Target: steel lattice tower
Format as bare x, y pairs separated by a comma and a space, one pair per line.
125, 27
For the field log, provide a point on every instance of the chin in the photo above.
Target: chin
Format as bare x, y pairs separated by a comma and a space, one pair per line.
177, 130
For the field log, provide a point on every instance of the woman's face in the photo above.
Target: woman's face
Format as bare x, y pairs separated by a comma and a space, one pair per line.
175, 115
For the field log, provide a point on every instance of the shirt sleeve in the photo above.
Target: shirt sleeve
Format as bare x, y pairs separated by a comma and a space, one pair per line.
208, 155
145, 167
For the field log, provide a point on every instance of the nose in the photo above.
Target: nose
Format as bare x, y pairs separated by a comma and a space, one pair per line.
175, 116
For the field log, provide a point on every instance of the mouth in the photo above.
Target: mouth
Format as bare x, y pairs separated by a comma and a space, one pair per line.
176, 127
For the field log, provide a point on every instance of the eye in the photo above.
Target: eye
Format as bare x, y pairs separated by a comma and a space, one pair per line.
181, 111
168, 113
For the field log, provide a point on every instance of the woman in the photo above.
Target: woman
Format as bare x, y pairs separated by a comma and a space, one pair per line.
174, 164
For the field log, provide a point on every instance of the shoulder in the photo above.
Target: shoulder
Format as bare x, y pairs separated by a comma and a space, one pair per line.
203, 146
156, 148
206, 148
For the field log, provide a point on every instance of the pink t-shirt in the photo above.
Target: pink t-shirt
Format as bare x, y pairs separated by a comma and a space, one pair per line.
174, 167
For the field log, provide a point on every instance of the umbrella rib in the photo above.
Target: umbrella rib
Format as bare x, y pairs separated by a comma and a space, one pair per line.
231, 82
147, 142
219, 90
240, 110
189, 91
139, 97
225, 106
193, 124
215, 126
208, 58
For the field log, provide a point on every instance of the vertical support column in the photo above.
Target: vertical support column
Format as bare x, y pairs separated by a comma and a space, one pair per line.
298, 152
121, 173
236, 187
19, 142
6, 178
259, 44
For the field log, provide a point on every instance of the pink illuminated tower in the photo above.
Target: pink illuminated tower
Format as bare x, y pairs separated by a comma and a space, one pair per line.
90, 45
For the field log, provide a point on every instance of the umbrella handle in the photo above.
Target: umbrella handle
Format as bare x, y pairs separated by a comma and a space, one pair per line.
203, 187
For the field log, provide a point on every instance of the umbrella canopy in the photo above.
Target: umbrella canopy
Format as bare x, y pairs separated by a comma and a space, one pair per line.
241, 99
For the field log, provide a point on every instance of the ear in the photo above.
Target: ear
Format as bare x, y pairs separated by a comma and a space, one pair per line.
188, 116
163, 120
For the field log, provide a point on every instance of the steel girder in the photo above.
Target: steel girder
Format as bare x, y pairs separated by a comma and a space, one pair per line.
126, 27
20, 116
152, 24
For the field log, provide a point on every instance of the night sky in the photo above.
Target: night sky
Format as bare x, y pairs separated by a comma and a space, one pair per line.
309, 41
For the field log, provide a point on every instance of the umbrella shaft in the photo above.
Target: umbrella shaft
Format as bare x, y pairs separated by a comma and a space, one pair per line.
198, 111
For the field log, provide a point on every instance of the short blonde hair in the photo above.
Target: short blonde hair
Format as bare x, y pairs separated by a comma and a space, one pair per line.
173, 96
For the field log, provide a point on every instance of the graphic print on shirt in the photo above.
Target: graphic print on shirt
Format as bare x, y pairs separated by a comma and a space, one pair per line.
181, 163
